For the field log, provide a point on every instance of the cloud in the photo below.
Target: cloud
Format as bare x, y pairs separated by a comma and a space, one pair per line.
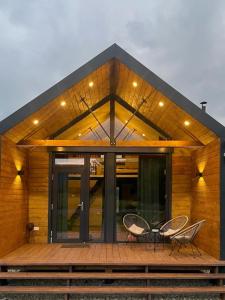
181, 41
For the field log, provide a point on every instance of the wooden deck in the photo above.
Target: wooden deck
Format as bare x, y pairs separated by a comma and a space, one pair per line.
104, 255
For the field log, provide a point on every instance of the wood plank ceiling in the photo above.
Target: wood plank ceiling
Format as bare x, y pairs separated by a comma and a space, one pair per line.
111, 78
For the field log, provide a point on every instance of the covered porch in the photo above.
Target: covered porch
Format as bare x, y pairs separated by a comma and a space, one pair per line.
109, 139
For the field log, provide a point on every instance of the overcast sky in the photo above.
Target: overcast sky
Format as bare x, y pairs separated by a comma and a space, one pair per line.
182, 41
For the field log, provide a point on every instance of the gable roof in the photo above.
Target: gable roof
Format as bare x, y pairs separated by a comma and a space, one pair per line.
113, 52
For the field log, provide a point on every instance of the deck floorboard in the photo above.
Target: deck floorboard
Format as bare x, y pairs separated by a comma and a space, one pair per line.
104, 254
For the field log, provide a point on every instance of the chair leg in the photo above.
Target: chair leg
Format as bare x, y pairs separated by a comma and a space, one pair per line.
192, 248
180, 245
199, 252
173, 246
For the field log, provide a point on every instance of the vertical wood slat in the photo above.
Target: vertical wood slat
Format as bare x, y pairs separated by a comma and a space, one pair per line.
38, 194
181, 184
13, 196
206, 196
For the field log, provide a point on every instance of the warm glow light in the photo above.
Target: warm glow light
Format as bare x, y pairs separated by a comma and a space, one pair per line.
187, 123
91, 83
79, 134
126, 121
161, 104
35, 122
63, 103
143, 134
135, 84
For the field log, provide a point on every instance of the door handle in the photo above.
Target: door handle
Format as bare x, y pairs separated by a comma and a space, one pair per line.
81, 205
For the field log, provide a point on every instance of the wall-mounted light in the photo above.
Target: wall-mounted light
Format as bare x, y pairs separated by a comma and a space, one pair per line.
20, 172
199, 174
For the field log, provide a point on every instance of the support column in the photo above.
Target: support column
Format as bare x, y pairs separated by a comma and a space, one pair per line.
110, 190
112, 122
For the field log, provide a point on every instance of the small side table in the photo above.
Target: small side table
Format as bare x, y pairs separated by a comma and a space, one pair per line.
155, 232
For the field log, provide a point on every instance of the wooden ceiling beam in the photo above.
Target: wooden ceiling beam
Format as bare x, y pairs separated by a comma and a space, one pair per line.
94, 143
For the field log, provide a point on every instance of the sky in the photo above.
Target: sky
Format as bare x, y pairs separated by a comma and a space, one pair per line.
182, 41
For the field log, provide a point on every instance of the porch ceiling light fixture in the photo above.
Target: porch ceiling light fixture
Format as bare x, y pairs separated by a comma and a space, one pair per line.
187, 123
63, 103
135, 84
91, 84
161, 103
35, 122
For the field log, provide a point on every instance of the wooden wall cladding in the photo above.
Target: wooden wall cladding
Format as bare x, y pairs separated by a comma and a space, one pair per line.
38, 194
181, 183
13, 196
206, 196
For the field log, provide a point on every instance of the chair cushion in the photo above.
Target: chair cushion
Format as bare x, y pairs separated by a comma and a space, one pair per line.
136, 229
182, 237
169, 232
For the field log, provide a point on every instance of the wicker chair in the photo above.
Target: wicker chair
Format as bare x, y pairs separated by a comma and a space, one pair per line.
172, 227
186, 236
136, 225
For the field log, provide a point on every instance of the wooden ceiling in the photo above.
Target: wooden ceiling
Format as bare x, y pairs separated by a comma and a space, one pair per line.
111, 78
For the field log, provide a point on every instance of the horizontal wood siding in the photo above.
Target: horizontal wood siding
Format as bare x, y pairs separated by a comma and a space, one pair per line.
181, 183
38, 194
13, 196
206, 196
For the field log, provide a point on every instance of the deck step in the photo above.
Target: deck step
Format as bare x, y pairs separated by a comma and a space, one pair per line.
111, 290
102, 275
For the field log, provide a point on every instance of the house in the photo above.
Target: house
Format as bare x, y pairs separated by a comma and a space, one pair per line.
109, 139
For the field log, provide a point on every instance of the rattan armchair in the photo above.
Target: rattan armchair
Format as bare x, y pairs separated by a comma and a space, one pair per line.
186, 236
172, 227
136, 225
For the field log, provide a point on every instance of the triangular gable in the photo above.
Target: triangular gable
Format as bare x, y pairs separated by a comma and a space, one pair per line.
113, 51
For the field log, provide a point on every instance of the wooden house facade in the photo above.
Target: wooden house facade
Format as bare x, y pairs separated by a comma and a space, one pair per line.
110, 138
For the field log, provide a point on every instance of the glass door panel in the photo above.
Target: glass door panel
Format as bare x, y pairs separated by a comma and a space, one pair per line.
68, 206
96, 200
74, 206
126, 191
140, 189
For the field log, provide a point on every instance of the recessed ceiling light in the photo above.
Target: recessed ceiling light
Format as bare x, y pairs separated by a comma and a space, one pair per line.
79, 134
143, 134
63, 103
35, 122
135, 84
91, 83
126, 121
161, 104
187, 123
